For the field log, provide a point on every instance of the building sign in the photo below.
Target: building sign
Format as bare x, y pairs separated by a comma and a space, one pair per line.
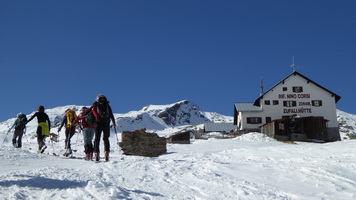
297, 110
294, 96
302, 104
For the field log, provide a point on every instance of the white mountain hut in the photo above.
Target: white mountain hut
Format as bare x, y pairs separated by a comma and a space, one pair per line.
295, 97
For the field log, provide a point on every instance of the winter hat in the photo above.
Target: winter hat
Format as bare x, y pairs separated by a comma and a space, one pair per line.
101, 98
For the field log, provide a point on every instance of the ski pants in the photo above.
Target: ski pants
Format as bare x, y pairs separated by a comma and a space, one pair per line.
17, 136
40, 138
70, 131
105, 128
88, 134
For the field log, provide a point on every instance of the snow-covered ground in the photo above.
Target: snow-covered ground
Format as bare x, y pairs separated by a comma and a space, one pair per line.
251, 166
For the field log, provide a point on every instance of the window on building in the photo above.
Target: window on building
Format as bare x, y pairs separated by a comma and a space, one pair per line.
268, 119
298, 89
285, 88
317, 103
289, 103
281, 126
254, 120
267, 102
275, 102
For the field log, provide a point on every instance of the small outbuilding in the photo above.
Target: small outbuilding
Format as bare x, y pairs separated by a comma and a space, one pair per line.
180, 138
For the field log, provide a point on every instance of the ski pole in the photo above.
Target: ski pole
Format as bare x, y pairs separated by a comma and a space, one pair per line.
5, 138
117, 139
75, 150
24, 133
67, 140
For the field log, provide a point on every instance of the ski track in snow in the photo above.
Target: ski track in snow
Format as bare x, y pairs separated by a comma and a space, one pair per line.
249, 167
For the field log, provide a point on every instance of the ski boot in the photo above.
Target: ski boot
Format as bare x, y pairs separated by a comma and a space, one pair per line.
44, 147
106, 153
87, 156
97, 157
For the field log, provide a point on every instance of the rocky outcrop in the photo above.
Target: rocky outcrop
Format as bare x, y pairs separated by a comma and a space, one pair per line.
141, 143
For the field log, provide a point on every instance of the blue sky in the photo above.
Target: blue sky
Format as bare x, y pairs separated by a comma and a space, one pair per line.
140, 52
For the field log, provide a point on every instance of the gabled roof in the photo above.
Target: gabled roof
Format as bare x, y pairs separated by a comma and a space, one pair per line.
247, 107
337, 97
219, 127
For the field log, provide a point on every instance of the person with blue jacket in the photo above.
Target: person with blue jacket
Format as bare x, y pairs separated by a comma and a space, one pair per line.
20, 129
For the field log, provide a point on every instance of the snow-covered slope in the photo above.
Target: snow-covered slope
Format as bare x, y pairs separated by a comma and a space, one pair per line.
251, 166
347, 124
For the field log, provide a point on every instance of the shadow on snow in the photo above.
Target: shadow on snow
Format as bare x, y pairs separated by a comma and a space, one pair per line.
43, 183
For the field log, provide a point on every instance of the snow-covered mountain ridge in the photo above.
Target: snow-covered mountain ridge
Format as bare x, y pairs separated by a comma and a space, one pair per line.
151, 117
159, 117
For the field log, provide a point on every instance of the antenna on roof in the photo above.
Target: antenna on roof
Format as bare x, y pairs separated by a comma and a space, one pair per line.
261, 86
293, 66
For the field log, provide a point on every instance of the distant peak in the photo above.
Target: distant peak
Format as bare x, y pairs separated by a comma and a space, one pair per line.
183, 102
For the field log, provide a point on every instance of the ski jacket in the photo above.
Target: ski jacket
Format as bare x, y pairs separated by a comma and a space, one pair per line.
41, 117
16, 123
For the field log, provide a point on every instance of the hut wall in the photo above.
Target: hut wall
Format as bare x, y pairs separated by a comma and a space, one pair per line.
180, 138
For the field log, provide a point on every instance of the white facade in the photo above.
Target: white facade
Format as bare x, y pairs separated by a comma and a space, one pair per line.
295, 96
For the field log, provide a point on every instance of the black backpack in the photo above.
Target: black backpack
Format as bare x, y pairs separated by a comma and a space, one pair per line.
103, 111
21, 124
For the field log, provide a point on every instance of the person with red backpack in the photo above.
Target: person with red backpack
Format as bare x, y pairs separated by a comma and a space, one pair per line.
103, 114
20, 129
68, 120
88, 122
